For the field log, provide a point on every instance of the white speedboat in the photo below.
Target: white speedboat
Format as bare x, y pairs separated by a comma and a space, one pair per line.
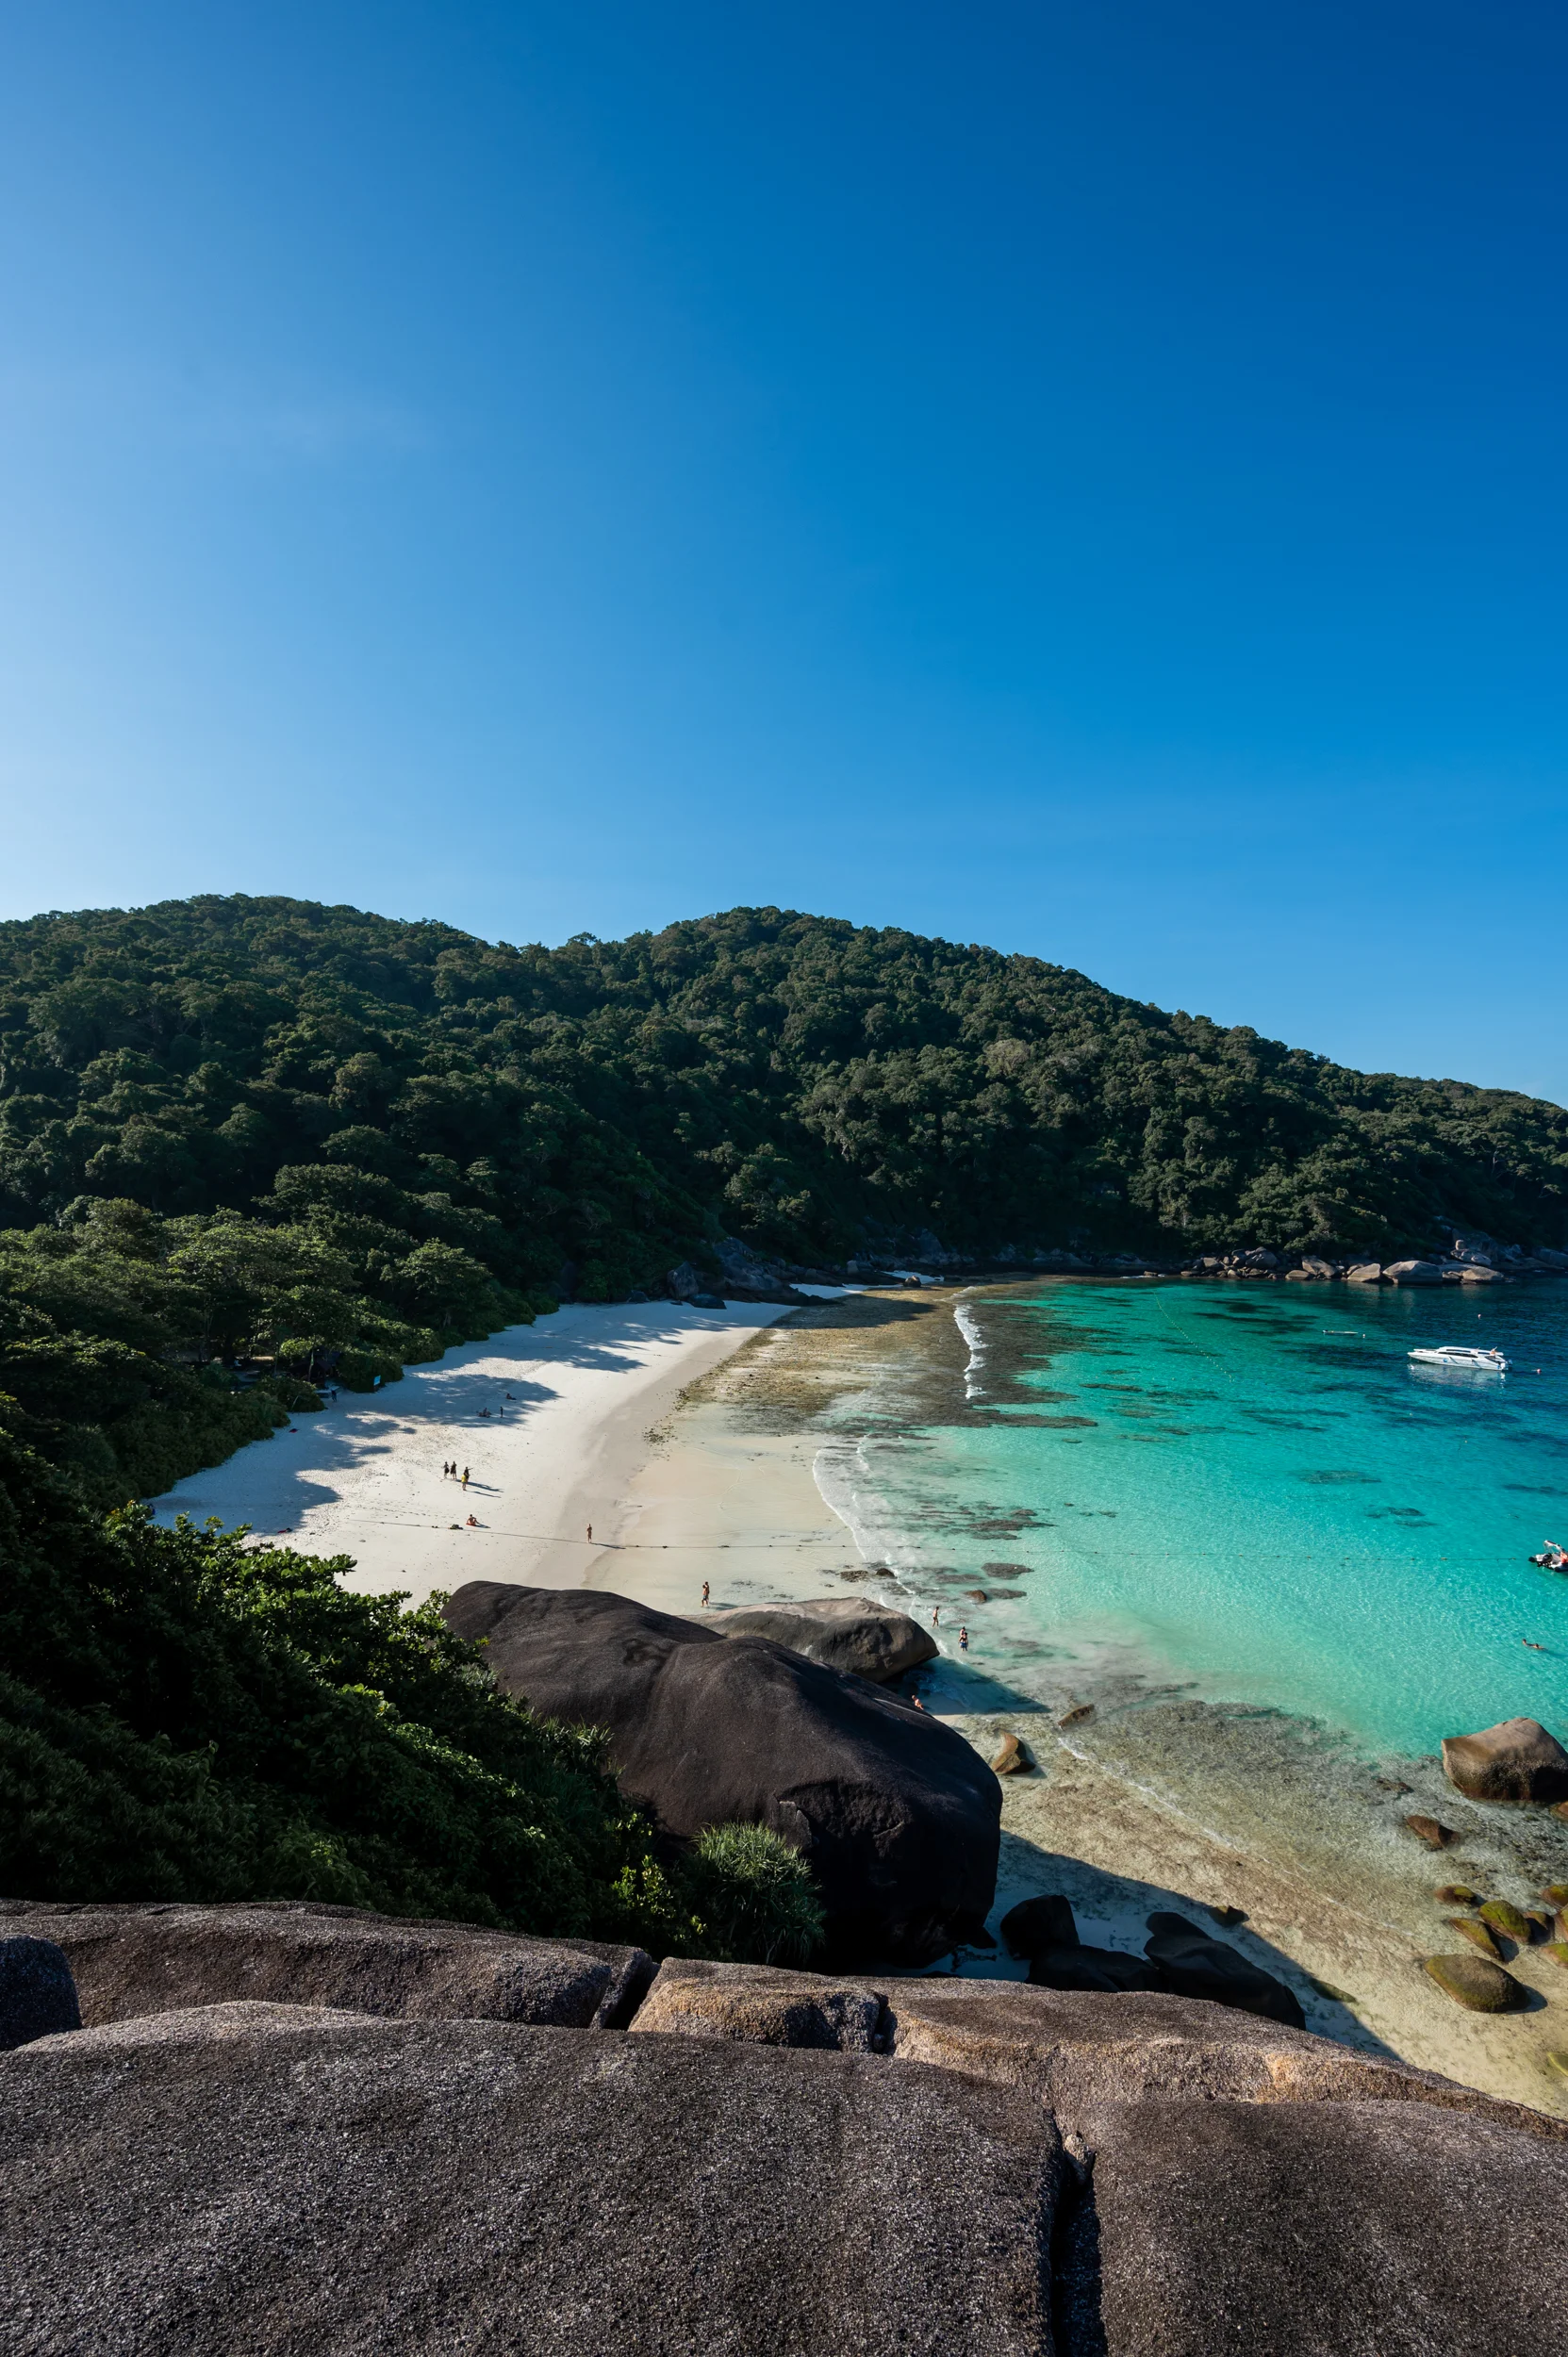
1462, 1355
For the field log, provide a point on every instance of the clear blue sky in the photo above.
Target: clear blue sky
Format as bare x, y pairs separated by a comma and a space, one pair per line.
1091, 479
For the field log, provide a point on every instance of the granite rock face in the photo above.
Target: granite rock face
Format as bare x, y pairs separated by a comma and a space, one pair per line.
763, 2006
150, 1958
1309, 2230
851, 1633
281, 2182
1516, 1760
897, 1815
962, 2170
38, 1996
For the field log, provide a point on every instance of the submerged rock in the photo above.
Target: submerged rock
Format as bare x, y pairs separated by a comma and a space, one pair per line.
1516, 1760
847, 1632
1472, 1982
1428, 1829
38, 1996
898, 1816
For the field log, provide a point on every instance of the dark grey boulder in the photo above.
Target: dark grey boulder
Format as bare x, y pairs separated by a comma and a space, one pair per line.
268, 2181
898, 1816
1109, 1970
1045, 1922
1218, 2229
147, 1958
846, 1632
38, 1996
1192, 1963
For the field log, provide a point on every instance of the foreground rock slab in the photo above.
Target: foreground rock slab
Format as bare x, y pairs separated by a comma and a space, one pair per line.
1310, 2230
257, 2179
898, 1816
1516, 1760
150, 1958
846, 1632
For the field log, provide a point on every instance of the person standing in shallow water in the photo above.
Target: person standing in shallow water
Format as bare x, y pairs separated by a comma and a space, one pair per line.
963, 1641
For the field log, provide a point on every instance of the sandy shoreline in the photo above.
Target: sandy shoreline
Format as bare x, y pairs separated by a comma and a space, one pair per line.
570, 1398
689, 1440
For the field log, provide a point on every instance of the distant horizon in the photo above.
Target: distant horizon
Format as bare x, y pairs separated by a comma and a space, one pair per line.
815, 916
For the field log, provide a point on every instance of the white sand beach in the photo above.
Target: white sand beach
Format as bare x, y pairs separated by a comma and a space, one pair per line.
553, 1422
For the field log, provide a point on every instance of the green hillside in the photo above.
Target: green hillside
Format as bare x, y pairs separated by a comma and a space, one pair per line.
234, 1126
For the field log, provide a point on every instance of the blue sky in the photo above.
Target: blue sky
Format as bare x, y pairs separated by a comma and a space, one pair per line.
1087, 479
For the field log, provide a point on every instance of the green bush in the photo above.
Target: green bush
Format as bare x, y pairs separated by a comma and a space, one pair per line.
366, 1369
753, 1896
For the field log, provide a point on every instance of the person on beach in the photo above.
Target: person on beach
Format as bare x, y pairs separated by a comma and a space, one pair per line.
590, 1534
704, 1591
936, 1618
963, 1641
472, 1524
465, 1476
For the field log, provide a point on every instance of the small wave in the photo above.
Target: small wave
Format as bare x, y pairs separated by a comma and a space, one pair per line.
967, 1324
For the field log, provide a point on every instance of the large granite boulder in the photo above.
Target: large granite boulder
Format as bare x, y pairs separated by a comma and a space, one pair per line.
1077, 2050
1309, 2230
847, 1632
150, 1958
38, 1997
1515, 1760
897, 1815
1071, 2050
762, 2007
299, 2183
1413, 1271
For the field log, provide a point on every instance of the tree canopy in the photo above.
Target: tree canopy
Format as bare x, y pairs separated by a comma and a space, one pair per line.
233, 1124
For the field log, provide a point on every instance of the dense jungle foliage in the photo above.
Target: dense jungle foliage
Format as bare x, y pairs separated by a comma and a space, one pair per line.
185, 1718
264, 1128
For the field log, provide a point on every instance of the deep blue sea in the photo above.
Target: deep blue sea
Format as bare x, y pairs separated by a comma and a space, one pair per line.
1250, 1490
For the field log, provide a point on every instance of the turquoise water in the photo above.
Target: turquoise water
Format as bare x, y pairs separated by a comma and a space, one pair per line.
1250, 1488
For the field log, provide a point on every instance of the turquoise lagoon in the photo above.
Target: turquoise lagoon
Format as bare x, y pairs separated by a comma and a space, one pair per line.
1244, 1493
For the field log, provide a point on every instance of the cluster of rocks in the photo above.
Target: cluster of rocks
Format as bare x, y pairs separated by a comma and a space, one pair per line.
1180, 1959
1518, 1764
297, 2130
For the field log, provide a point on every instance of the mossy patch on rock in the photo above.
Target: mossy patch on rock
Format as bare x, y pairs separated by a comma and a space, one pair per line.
1472, 1982
1477, 1935
1506, 1918
1456, 1895
1558, 1951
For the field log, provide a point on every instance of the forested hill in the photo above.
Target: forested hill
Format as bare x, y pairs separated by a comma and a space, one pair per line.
232, 1123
